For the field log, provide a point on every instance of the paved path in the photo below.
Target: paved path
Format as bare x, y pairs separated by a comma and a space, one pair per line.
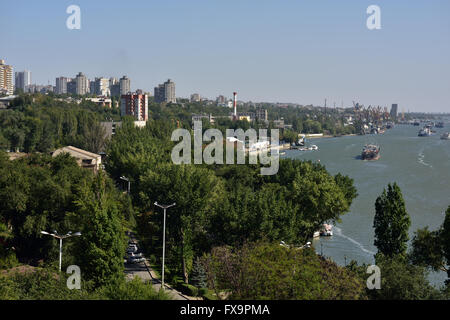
143, 271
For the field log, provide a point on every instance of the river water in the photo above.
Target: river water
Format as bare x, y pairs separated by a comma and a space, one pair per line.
419, 165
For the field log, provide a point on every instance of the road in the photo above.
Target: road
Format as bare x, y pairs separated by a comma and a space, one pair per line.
143, 271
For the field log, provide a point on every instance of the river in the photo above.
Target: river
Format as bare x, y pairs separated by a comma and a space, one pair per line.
419, 165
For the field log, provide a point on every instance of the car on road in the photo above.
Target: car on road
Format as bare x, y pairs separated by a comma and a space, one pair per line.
132, 249
135, 259
135, 255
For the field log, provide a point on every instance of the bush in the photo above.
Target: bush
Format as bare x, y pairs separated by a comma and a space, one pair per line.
152, 259
202, 291
188, 289
209, 296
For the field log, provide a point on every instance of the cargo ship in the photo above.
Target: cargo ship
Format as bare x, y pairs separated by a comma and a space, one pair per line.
370, 152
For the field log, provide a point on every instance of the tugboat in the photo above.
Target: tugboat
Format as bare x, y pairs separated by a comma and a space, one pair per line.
370, 152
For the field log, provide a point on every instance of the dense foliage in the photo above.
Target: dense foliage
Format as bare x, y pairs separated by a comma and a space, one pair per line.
432, 248
39, 123
271, 271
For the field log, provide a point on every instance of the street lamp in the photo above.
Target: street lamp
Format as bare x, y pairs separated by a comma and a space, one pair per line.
164, 237
61, 237
128, 180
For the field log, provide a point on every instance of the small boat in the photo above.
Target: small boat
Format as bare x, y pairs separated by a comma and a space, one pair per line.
326, 230
440, 124
445, 136
425, 132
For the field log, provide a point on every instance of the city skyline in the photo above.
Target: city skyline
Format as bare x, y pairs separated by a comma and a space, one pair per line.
269, 52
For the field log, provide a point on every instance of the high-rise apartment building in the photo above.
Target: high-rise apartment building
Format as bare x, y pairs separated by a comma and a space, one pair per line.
165, 92
23, 79
114, 87
71, 86
101, 87
125, 85
61, 85
6, 78
136, 105
82, 84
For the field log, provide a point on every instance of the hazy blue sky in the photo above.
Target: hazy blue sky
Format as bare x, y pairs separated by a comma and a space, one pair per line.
277, 50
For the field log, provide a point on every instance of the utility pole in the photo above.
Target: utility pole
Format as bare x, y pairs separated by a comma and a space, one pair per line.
61, 237
164, 207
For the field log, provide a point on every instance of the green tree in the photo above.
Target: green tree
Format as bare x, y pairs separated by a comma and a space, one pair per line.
391, 222
401, 280
432, 248
102, 244
194, 190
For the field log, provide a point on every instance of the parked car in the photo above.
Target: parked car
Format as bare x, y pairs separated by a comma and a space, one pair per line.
135, 259
132, 249
135, 255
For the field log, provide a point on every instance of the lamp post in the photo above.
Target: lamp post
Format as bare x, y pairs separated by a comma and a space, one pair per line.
127, 180
164, 237
61, 237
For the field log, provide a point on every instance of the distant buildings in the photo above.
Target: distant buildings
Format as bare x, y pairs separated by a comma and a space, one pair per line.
135, 105
82, 84
61, 85
6, 78
279, 124
114, 87
394, 111
262, 115
125, 85
195, 97
101, 87
23, 79
71, 86
165, 92
200, 117
38, 88
101, 101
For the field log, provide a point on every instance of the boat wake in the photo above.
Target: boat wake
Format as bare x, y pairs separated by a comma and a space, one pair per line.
338, 232
421, 158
